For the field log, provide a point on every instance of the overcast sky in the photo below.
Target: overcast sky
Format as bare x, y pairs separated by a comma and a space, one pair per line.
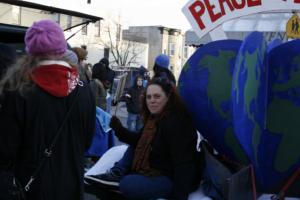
147, 12
132, 12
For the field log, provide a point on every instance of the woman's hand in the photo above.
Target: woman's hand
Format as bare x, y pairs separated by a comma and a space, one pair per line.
116, 124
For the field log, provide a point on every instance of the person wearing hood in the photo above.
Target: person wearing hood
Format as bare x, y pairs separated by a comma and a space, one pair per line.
102, 78
133, 103
161, 68
145, 75
39, 92
102, 72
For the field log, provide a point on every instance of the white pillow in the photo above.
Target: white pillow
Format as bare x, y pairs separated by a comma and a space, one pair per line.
107, 160
198, 195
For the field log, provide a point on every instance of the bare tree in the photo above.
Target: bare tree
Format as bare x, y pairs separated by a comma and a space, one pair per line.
125, 52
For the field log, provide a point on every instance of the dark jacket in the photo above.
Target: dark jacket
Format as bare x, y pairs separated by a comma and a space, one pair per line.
133, 102
99, 92
173, 151
28, 124
165, 73
102, 72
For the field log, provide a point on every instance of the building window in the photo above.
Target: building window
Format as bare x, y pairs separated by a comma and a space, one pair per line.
89, 1
185, 52
97, 27
106, 53
69, 22
172, 49
84, 27
57, 18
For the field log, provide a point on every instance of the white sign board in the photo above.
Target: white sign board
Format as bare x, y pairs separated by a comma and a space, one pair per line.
206, 15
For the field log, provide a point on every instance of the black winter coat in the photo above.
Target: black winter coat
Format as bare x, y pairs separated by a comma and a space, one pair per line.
28, 125
173, 151
133, 103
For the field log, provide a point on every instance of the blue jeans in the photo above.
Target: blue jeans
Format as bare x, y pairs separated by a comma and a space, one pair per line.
135, 186
134, 122
138, 187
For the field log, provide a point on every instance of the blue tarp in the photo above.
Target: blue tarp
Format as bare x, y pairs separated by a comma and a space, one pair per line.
104, 136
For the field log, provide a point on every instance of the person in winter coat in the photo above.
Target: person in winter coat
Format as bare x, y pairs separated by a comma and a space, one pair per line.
160, 161
39, 90
161, 68
145, 75
133, 103
104, 73
102, 78
81, 54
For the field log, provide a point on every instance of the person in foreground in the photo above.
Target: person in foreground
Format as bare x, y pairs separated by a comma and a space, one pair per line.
162, 157
38, 92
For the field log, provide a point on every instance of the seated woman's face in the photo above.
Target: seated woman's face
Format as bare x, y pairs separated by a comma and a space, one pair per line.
156, 99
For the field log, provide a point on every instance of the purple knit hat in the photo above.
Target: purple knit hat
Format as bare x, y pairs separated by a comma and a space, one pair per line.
45, 37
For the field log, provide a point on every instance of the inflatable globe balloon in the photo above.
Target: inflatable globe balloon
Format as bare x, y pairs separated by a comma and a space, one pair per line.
279, 149
205, 85
244, 98
249, 93
266, 118
274, 43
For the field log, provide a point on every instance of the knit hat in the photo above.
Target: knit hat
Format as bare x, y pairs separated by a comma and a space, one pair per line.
45, 37
162, 60
71, 57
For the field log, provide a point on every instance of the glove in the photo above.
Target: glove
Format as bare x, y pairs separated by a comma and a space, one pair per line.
116, 125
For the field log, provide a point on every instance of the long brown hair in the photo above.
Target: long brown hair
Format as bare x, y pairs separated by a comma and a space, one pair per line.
174, 103
17, 77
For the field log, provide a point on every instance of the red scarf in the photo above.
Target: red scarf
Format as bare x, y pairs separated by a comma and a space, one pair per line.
57, 78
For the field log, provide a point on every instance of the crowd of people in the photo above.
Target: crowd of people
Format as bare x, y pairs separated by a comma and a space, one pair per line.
48, 100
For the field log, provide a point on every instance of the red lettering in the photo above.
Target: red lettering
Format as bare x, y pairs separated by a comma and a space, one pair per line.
238, 5
197, 13
252, 3
222, 6
214, 17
